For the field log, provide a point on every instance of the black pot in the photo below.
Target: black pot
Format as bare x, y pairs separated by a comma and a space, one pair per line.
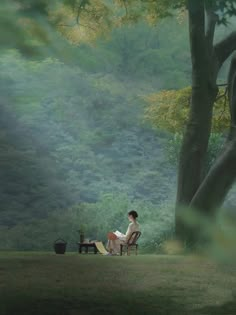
60, 246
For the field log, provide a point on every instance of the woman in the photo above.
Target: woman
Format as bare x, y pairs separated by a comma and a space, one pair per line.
117, 238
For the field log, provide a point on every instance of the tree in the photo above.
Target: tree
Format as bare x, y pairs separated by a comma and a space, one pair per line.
204, 192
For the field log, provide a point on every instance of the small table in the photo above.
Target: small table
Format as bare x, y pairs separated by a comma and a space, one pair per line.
86, 246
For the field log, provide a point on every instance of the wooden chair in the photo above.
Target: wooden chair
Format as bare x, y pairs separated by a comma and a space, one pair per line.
130, 244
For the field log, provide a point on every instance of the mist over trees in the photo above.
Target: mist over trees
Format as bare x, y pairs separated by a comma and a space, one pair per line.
76, 147
73, 132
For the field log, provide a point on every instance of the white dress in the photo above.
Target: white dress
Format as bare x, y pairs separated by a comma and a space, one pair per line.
114, 246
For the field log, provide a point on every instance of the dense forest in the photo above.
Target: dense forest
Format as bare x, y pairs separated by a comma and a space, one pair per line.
76, 150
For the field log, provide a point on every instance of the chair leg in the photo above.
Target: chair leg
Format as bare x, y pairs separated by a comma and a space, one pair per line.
136, 250
121, 249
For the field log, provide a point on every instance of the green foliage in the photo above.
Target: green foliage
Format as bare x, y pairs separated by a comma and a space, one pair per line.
96, 219
215, 146
137, 52
65, 139
145, 53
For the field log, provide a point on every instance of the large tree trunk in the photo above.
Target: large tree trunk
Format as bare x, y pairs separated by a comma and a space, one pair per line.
222, 175
216, 185
214, 188
196, 137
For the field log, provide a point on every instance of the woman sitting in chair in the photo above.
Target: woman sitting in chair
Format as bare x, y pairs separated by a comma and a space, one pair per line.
116, 239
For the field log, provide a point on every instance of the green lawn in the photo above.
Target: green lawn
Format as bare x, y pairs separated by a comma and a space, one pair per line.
43, 283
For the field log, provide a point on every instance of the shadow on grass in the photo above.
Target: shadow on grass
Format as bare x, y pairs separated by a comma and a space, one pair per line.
228, 308
145, 305
150, 304
45, 286
65, 301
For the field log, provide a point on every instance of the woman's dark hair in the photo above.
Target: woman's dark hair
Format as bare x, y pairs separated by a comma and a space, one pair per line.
133, 213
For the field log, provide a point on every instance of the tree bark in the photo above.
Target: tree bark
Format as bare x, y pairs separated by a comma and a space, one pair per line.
204, 90
225, 48
197, 190
222, 175
218, 182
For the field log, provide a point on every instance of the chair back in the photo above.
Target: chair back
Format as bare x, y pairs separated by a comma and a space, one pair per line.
134, 238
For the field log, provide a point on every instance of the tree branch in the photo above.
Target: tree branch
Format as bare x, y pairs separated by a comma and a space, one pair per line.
218, 182
212, 19
197, 40
81, 6
231, 90
78, 25
225, 48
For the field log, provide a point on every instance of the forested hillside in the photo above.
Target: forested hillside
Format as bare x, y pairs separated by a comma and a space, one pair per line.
74, 140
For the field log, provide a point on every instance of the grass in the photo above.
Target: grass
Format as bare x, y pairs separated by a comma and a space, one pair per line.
46, 284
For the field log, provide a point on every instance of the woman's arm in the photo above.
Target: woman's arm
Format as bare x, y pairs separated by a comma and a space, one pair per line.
128, 233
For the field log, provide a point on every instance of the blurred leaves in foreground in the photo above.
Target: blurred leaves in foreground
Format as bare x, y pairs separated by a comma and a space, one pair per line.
217, 235
23, 25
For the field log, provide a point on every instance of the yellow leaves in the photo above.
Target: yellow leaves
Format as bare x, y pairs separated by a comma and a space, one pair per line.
83, 20
84, 25
221, 120
169, 110
182, 15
